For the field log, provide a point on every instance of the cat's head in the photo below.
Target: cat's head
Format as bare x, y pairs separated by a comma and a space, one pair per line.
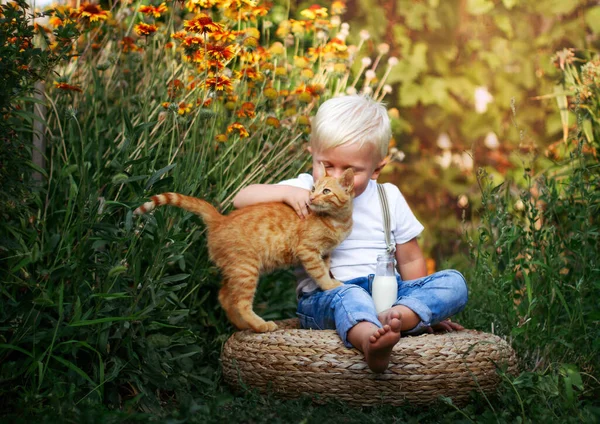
330, 193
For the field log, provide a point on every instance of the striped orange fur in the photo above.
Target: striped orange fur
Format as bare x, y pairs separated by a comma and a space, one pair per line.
263, 237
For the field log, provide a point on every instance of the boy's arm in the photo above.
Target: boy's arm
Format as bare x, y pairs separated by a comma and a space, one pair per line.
410, 259
296, 197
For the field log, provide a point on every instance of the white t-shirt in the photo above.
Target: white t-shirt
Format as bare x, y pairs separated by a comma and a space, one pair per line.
357, 255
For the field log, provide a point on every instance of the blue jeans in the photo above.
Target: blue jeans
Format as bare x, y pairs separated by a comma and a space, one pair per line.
433, 298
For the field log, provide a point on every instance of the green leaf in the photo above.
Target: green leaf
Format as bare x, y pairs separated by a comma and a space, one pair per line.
102, 321
75, 368
22, 263
592, 18
17, 348
111, 296
36, 168
410, 94
124, 179
173, 278
505, 24
116, 270
68, 170
154, 178
479, 7
588, 130
563, 107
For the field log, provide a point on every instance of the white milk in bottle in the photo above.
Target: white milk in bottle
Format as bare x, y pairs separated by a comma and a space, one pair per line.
385, 288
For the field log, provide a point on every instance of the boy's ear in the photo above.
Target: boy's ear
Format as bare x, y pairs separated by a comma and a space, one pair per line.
347, 180
380, 166
322, 170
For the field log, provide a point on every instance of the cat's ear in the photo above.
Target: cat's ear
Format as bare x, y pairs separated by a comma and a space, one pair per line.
347, 180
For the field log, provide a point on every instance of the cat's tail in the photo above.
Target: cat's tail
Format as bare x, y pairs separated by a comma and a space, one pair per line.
200, 207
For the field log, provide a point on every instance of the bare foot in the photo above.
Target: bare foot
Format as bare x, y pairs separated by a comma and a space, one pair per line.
380, 344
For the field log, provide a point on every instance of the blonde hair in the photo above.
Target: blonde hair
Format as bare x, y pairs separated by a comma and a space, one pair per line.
351, 119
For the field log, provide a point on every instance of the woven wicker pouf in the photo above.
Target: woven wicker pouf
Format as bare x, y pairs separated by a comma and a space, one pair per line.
291, 362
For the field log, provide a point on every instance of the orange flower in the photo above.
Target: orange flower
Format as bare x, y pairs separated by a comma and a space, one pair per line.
174, 88
246, 110
179, 35
215, 65
224, 36
92, 12
197, 56
237, 4
205, 103
184, 108
192, 43
155, 11
67, 87
256, 55
273, 122
337, 45
260, 10
338, 8
270, 93
252, 74
128, 45
238, 128
219, 52
144, 29
314, 12
218, 83
202, 24
303, 120
195, 5
41, 28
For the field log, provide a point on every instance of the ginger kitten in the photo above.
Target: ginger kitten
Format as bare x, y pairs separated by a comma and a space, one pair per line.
263, 237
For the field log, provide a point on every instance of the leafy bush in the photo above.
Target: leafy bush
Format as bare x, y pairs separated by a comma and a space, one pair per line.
23, 62
99, 307
537, 272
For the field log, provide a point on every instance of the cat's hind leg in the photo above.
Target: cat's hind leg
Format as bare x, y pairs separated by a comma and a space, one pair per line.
243, 281
232, 314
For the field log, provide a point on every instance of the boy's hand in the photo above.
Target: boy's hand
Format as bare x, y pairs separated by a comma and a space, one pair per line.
446, 326
299, 199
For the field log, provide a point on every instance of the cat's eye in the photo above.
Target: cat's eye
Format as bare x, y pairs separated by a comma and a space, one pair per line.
326, 191
312, 190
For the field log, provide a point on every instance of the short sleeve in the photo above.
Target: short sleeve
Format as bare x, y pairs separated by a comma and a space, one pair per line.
406, 226
305, 181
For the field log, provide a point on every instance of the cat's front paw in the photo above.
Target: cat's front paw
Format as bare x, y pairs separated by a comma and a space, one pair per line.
332, 284
265, 327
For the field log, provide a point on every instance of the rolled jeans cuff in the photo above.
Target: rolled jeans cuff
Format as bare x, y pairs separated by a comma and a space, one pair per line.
421, 310
351, 320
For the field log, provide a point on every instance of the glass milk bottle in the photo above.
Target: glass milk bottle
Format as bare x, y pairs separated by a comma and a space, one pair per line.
385, 288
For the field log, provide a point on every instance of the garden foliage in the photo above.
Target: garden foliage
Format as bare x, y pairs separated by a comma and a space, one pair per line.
537, 251
203, 97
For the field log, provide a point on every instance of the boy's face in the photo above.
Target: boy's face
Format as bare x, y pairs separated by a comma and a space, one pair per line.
362, 160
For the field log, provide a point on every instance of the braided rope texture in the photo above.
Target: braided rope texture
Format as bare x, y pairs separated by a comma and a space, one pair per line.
291, 362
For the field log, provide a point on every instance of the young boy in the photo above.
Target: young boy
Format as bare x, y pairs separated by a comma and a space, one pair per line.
354, 132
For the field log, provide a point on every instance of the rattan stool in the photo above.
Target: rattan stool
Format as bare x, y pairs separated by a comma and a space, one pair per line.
291, 362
